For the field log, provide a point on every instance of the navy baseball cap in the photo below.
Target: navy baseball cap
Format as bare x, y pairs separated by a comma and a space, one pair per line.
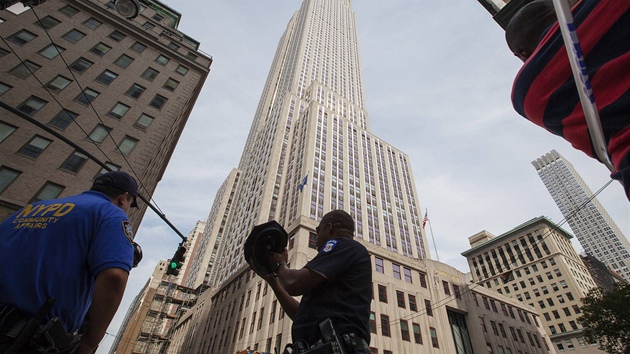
119, 180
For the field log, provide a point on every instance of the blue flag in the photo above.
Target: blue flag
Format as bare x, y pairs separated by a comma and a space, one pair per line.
303, 183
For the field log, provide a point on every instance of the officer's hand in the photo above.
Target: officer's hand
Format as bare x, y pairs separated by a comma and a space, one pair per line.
266, 277
278, 257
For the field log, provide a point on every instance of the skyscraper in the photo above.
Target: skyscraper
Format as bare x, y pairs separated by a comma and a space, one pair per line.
594, 228
309, 151
120, 89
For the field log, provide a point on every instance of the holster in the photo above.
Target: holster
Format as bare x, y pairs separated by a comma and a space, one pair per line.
330, 343
26, 335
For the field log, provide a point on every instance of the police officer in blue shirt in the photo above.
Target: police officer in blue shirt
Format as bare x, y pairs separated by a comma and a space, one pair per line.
336, 285
61, 258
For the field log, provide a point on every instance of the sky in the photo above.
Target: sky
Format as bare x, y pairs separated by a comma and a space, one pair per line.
437, 77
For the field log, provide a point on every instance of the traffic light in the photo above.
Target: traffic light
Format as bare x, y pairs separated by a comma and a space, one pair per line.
176, 262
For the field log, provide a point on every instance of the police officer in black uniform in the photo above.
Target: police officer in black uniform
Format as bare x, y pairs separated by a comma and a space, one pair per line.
336, 284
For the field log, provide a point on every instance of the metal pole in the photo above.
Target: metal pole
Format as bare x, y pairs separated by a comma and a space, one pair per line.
433, 239
582, 81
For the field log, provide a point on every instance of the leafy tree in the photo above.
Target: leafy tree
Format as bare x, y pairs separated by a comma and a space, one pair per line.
606, 318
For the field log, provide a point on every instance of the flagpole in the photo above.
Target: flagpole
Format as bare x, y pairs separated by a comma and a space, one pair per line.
433, 239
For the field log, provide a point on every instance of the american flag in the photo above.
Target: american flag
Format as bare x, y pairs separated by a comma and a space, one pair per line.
426, 218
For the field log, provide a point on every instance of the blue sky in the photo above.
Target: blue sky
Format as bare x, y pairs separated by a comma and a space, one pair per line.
437, 79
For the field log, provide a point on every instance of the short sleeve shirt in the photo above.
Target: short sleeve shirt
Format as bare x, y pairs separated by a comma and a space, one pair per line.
344, 297
56, 248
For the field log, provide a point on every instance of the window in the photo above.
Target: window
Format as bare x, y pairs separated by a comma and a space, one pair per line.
423, 280
50, 190
74, 162
135, 91
7, 176
404, 330
144, 121
162, 60
312, 241
385, 325
35, 147
106, 77
138, 47
400, 298
81, 65
434, 339
171, 84
150, 74
6, 130
427, 306
447, 289
113, 167
92, 23
494, 328
119, 110
123, 61
73, 36
417, 335
58, 83
127, 145
483, 324
181, 70
48, 22
117, 36
87, 96
396, 271
502, 330
100, 49
3, 52
192, 56
24, 70
407, 273
158, 102
412, 303
382, 293
63, 119
148, 25
372, 322
4, 88
51, 51
173, 46
69, 10
32, 105
22, 37
99, 133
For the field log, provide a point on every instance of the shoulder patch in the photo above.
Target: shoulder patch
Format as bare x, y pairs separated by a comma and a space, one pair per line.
329, 246
128, 230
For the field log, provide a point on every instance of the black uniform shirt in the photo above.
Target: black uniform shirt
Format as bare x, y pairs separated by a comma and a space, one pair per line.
344, 297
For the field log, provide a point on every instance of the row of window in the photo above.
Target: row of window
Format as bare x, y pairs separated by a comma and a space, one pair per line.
507, 310
498, 329
404, 330
37, 144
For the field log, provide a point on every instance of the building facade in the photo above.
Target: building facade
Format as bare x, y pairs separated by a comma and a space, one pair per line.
536, 264
594, 228
122, 90
419, 306
150, 320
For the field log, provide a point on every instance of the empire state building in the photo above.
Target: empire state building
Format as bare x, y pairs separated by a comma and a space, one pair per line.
310, 151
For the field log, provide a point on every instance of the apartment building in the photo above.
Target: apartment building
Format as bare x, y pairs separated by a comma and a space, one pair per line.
536, 264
